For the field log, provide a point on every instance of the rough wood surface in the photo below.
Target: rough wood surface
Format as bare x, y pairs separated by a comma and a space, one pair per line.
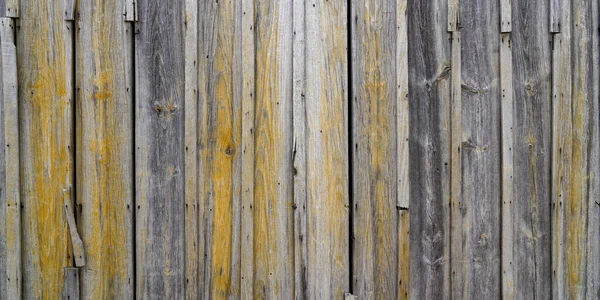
45, 76
273, 182
130, 10
3, 183
104, 138
192, 216
481, 149
160, 149
326, 138
10, 8
71, 279
374, 85
531, 151
10, 245
430, 70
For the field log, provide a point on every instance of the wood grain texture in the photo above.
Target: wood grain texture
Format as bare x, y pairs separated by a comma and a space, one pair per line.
273, 174
192, 216
3, 183
248, 111
375, 223
481, 149
531, 151
160, 149
10, 8
130, 10
556, 15
10, 259
507, 112
71, 279
505, 16
104, 138
430, 70
326, 138
221, 125
45, 76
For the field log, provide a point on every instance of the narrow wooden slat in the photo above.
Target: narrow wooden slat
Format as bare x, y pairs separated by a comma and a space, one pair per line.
556, 15
403, 159
105, 148
160, 149
326, 138
481, 149
45, 60
507, 111
191, 154
273, 183
453, 15
69, 10
577, 199
11, 206
299, 154
221, 153
248, 117
10, 8
71, 279
456, 185
3, 256
130, 10
531, 150
505, 16
375, 215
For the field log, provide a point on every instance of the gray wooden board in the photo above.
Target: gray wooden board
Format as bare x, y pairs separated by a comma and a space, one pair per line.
481, 148
159, 149
429, 85
532, 128
71, 278
3, 270
374, 86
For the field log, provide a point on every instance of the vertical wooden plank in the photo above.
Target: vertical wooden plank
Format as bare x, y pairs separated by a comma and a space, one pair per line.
299, 154
453, 15
556, 15
531, 151
191, 154
221, 154
160, 149
402, 145
375, 255
104, 137
456, 198
248, 111
506, 16
130, 10
71, 279
45, 78
577, 201
593, 242
430, 71
11, 206
273, 183
326, 138
507, 112
3, 256
481, 149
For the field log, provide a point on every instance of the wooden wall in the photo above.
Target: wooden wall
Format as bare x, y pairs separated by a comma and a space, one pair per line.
300, 149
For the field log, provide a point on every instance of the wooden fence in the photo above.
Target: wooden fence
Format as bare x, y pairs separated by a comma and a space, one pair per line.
300, 149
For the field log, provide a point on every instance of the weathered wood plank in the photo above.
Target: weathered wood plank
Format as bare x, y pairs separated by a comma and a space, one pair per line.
9, 8
453, 15
326, 138
402, 145
191, 154
481, 149
556, 14
3, 183
160, 149
10, 259
105, 148
248, 111
273, 183
71, 279
506, 16
299, 154
69, 10
531, 151
375, 216
429, 72
221, 153
507, 112
576, 200
76, 242
45, 60
456, 199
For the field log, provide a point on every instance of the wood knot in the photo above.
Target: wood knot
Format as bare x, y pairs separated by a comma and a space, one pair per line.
229, 151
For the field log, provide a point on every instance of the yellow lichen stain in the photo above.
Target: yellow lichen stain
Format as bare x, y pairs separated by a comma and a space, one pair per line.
106, 179
47, 112
222, 144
